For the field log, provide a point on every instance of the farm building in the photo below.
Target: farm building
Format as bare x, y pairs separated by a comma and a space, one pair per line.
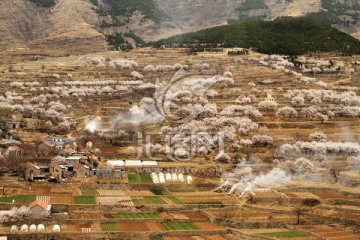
81, 171
41, 228
32, 171
66, 152
56, 228
105, 170
24, 228
14, 229
39, 209
15, 150
132, 163
71, 160
46, 148
33, 228
59, 142
54, 167
118, 170
12, 125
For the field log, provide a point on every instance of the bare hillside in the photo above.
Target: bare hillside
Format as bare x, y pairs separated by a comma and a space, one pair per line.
68, 26
78, 26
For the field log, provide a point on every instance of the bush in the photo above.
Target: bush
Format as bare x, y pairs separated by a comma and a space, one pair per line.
44, 3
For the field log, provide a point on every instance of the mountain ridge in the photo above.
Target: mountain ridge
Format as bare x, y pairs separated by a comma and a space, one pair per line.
80, 26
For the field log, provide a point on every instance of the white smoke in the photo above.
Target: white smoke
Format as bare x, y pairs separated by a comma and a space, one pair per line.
243, 180
92, 124
146, 113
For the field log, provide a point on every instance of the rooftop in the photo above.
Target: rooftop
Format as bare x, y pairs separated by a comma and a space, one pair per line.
40, 203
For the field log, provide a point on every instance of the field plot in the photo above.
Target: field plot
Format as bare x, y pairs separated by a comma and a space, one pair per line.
208, 226
127, 203
133, 178
84, 200
65, 191
290, 234
159, 192
137, 193
27, 191
207, 199
75, 228
89, 192
136, 215
24, 199
210, 237
155, 226
104, 192
248, 215
89, 216
180, 226
134, 227
301, 195
113, 200
331, 195
44, 198
176, 200
109, 227
6, 199
332, 233
148, 200
145, 178
58, 199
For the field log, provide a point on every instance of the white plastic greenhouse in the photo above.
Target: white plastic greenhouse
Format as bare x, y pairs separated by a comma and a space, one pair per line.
24, 228
181, 177
33, 228
14, 229
41, 228
56, 228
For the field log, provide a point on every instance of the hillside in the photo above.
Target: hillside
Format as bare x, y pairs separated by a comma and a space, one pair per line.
67, 26
286, 35
80, 26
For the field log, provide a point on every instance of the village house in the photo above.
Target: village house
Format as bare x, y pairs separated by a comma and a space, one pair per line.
46, 148
60, 143
12, 125
39, 209
15, 150
66, 152
56, 168
2, 151
107, 170
32, 171
81, 171
71, 160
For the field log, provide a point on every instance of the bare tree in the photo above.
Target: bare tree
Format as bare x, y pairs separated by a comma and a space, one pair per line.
334, 173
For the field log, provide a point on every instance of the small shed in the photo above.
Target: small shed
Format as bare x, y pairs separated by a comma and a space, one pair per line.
14, 229
168, 177
24, 228
33, 228
56, 228
41, 228
189, 179
181, 177
174, 177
